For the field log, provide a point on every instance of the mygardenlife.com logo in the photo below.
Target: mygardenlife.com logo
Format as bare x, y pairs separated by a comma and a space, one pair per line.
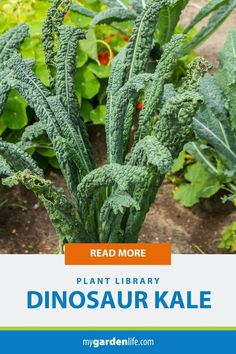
102, 342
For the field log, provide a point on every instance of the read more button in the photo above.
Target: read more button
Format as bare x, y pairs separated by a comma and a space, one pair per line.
98, 252
117, 254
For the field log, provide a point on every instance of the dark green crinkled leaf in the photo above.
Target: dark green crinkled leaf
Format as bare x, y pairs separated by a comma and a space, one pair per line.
228, 58
5, 168
154, 91
31, 132
150, 152
226, 76
18, 159
11, 40
114, 3
82, 10
213, 96
138, 5
114, 14
50, 31
115, 137
141, 41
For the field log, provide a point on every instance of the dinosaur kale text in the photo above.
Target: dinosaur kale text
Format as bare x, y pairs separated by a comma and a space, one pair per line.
119, 299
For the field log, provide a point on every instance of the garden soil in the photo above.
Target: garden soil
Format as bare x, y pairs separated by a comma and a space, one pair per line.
25, 227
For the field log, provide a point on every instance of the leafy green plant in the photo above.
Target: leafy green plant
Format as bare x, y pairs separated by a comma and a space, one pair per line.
94, 55
214, 153
109, 203
215, 126
228, 238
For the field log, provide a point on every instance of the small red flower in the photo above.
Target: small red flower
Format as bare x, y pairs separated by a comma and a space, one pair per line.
140, 106
104, 58
126, 38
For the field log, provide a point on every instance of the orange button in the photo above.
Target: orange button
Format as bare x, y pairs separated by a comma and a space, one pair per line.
117, 254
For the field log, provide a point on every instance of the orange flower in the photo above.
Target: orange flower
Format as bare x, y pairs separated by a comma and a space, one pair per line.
67, 15
109, 38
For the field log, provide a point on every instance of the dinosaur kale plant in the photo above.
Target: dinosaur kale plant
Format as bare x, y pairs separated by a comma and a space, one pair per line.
109, 203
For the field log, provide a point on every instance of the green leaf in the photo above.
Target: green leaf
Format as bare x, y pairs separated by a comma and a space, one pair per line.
113, 3
31, 132
5, 168
141, 41
65, 84
46, 152
179, 163
168, 20
149, 152
200, 184
18, 159
50, 31
41, 71
138, 5
217, 133
101, 71
213, 97
201, 153
54, 162
80, 21
89, 45
98, 115
82, 10
226, 76
228, 58
154, 91
82, 58
3, 126
85, 110
86, 83
11, 40
214, 22
35, 28
206, 10
28, 48
14, 113
115, 14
